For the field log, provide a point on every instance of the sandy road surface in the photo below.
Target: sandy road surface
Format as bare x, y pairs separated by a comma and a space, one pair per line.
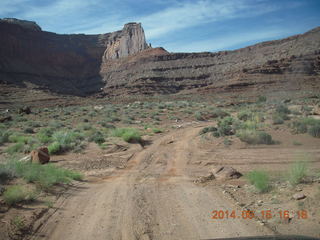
153, 198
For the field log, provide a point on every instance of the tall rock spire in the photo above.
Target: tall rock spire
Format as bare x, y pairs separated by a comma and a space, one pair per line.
123, 43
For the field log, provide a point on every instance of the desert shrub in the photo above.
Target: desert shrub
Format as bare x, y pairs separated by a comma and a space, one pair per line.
84, 126
208, 129
297, 172
16, 148
56, 124
15, 138
304, 125
54, 148
217, 112
245, 115
97, 137
4, 136
127, 134
254, 137
259, 179
262, 99
277, 119
5, 173
225, 126
28, 130
157, 130
66, 139
199, 116
17, 193
283, 109
106, 124
44, 135
44, 175
314, 130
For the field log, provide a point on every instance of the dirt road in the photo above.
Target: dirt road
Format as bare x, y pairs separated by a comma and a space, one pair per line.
153, 198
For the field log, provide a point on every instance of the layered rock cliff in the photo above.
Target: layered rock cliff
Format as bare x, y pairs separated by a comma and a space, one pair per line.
61, 63
122, 63
288, 64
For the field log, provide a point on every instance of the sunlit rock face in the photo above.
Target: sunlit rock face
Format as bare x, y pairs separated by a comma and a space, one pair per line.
123, 43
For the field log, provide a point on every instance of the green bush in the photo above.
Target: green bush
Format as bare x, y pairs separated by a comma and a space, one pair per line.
245, 115
28, 130
54, 148
44, 135
14, 138
225, 126
4, 136
218, 113
127, 134
259, 179
262, 99
97, 137
304, 125
66, 139
157, 130
44, 175
297, 172
17, 193
277, 119
5, 173
199, 116
16, 148
282, 109
254, 137
314, 130
207, 129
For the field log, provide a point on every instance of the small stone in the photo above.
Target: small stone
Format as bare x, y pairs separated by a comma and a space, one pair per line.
299, 196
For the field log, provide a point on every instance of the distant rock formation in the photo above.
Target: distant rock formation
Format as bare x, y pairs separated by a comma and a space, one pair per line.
23, 23
63, 63
129, 41
122, 62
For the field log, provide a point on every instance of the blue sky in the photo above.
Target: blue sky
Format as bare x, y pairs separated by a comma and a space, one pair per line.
176, 25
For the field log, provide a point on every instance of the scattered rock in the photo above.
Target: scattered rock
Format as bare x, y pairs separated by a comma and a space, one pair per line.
5, 119
41, 155
316, 110
225, 172
25, 159
205, 178
25, 109
98, 107
299, 196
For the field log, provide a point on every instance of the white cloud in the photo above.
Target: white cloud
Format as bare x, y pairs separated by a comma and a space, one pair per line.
230, 41
189, 15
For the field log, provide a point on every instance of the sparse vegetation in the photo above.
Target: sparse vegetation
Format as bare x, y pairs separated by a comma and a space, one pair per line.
260, 180
307, 125
255, 137
127, 134
43, 175
297, 172
18, 193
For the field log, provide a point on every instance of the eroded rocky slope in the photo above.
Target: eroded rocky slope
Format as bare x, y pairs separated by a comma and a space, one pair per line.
290, 64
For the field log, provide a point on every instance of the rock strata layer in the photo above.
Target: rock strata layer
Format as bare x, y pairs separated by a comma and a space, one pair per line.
121, 63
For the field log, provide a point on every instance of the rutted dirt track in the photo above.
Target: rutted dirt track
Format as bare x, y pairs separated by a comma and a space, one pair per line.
153, 198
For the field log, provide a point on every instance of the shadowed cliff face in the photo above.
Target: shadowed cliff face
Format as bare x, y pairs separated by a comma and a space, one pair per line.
68, 64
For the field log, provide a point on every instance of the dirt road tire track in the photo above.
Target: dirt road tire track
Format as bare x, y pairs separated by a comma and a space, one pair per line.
153, 199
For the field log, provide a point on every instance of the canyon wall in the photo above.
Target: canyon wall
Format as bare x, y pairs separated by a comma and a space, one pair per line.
122, 63
61, 63
288, 64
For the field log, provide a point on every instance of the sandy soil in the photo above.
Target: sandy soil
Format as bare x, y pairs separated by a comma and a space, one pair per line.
154, 197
